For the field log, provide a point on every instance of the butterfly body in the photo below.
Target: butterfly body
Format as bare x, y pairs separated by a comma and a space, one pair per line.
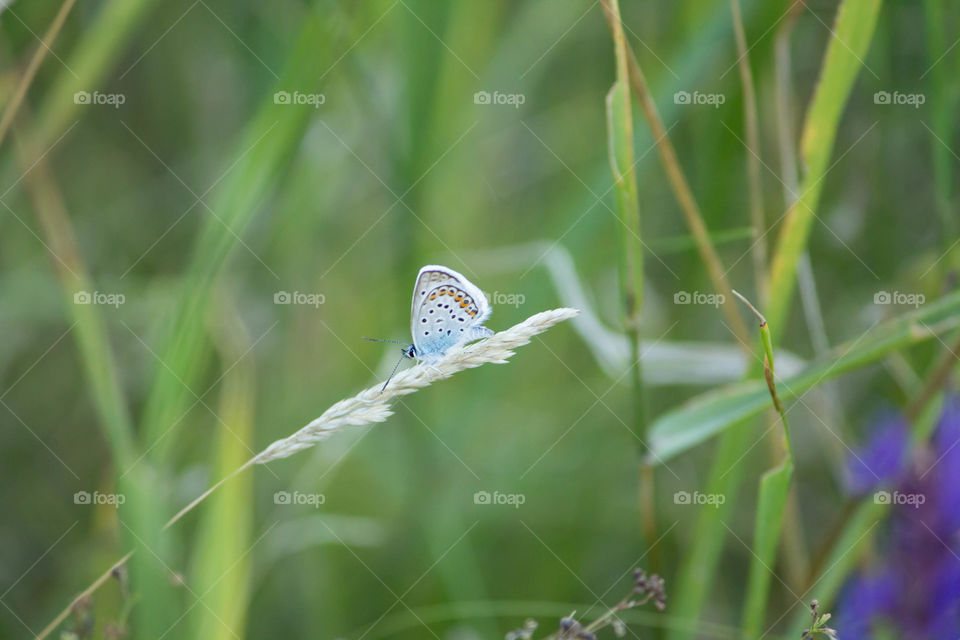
447, 310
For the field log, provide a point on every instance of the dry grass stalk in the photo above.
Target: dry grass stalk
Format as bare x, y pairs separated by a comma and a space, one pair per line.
373, 405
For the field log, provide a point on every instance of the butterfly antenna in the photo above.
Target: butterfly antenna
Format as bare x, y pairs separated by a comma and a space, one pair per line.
395, 367
384, 340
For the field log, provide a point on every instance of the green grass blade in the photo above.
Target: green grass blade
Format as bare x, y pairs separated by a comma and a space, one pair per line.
715, 411
620, 137
621, 157
697, 573
267, 144
222, 562
622, 163
140, 515
774, 486
848, 47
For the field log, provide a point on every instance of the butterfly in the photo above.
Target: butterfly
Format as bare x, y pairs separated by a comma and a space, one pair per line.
447, 310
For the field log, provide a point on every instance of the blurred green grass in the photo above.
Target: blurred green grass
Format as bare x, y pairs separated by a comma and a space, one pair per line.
397, 168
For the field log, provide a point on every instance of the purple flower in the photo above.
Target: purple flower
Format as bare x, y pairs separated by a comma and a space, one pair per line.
867, 600
913, 587
882, 461
943, 474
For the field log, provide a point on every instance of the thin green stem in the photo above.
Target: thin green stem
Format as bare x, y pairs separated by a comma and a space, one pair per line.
679, 183
621, 156
768, 369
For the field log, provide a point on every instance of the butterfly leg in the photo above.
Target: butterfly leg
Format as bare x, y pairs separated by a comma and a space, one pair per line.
429, 364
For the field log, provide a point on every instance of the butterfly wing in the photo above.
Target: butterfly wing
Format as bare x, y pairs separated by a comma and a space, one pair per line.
447, 309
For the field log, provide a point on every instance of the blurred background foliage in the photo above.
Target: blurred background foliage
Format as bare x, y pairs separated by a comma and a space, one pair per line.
199, 198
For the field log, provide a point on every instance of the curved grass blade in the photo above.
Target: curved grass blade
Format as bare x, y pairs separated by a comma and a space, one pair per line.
774, 486
222, 551
716, 411
848, 47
